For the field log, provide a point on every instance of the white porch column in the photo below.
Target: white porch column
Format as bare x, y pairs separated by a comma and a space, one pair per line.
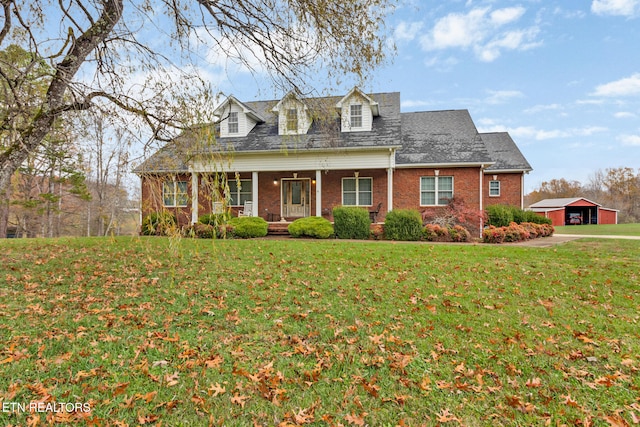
389, 189
194, 197
254, 193
318, 193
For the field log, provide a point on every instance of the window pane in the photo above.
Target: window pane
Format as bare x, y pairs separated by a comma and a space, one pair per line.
168, 196
428, 183
233, 122
445, 183
349, 184
364, 184
292, 119
349, 199
356, 116
181, 193
427, 198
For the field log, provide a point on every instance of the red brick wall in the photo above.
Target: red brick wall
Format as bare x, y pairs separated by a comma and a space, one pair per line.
406, 182
510, 190
152, 198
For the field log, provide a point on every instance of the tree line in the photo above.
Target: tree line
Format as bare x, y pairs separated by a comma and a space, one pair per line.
617, 188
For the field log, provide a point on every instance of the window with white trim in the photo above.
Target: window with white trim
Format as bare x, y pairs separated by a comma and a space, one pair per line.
357, 191
239, 191
435, 190
494, 188
292, 119
356, 115
232, 122
174, 193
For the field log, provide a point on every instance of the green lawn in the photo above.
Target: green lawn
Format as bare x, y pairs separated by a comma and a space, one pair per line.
143, 331
605, 229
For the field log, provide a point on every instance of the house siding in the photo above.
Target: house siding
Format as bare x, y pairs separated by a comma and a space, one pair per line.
152, 197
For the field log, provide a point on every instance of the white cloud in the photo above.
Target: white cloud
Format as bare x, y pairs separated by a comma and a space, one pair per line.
632, 140
407, 31
624, 115
615, 7
482, 30
502, 96
415, 103
627, 86
540, 108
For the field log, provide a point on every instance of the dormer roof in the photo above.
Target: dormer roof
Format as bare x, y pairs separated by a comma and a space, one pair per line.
356, 91
245, 109
289, 96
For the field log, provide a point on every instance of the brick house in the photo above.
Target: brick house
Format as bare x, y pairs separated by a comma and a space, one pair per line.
294, 157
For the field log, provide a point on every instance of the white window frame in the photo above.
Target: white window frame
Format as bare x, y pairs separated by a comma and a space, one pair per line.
492, 189
171, 193
437, 190
292, 124
355, 117
357, 190
233, 125
241, 193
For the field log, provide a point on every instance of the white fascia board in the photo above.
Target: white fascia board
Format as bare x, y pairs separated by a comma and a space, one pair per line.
300, 160
498, 172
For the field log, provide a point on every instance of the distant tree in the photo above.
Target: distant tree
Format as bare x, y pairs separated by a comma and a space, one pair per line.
93, 49
554, 189
622, 189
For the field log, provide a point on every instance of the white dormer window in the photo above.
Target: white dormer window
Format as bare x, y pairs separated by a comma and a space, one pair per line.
232, 122
292, 119
357, 111
293, 115
356, 115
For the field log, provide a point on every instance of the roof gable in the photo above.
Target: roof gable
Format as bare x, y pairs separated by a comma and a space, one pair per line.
441, 138
505, 153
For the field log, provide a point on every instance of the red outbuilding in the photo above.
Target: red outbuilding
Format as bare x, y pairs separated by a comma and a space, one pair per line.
575, 211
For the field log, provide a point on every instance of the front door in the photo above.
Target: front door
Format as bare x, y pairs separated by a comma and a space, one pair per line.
296, 202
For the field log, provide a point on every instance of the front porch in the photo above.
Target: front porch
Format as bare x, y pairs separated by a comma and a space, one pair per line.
283, 195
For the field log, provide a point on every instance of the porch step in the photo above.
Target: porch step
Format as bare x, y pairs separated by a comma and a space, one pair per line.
278, 229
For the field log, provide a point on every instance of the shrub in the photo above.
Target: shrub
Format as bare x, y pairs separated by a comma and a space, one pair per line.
376, 231
313, 226
249, 226
456, 212
493, 234
459, 234
503, 215
499, 215
351, 222
403, 224
158, 224
214, 219
202, 231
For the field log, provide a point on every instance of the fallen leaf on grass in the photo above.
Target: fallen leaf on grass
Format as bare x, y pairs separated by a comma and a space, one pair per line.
239, 400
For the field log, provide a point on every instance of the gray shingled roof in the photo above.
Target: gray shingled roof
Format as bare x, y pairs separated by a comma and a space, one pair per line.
440, 137
504, 152
424, 138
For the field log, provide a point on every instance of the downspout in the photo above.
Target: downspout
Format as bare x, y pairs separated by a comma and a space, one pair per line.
481, 197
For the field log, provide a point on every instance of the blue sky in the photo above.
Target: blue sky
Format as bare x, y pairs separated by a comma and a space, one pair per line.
563, 78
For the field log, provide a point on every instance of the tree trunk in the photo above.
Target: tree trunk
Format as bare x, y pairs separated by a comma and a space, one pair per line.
54, 103
4, 212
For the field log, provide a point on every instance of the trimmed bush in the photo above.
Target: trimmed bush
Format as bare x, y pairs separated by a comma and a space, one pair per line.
351, 222
247, 227
499, 215
503, 215
516, 232
403, 224
158, 224
312, 226
214, 219
202, 231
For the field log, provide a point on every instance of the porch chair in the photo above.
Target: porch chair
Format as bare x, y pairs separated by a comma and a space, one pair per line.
373, 215
218, 208
247, 210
